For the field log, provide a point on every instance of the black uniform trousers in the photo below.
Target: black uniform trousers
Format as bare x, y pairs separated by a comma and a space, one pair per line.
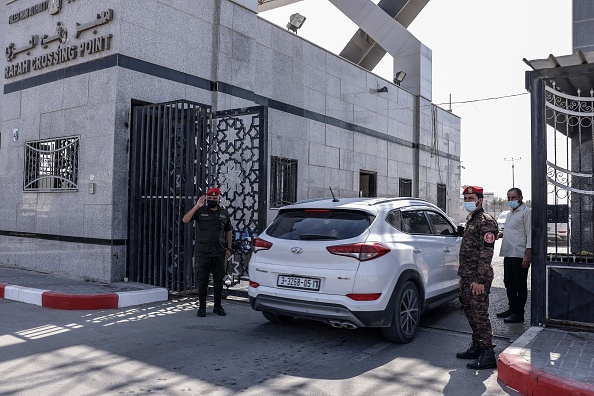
515, 278
206, 265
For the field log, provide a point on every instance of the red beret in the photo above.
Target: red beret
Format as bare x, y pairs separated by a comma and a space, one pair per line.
213, 192
472, 190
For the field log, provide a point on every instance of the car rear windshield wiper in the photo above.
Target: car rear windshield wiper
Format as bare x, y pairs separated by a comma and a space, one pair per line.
316, 236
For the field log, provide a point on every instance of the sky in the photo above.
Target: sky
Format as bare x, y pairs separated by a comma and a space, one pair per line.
477, 48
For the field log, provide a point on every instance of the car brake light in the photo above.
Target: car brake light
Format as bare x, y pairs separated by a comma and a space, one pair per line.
317, 210
260, 244
360, 251
364, 297
254, 284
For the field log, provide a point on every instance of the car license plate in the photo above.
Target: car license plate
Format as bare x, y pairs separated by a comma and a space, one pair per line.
298, 282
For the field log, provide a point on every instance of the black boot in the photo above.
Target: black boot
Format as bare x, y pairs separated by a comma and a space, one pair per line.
487, 360
471, 353
219, 311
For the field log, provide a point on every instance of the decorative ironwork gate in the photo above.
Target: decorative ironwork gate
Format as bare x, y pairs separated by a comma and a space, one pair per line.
241, 147
563, 207
176, 152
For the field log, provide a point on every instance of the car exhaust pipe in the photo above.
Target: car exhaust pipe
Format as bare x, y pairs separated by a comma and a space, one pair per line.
342, 325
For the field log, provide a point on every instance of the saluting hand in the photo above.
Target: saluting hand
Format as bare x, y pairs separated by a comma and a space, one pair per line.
200, 202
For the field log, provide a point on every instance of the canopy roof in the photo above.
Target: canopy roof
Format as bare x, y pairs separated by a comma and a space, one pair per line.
570, 72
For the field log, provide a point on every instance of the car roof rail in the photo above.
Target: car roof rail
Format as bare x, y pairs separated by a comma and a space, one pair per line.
386, 200
370, 201
309, 200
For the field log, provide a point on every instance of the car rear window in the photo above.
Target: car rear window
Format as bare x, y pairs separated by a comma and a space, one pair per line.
319, 224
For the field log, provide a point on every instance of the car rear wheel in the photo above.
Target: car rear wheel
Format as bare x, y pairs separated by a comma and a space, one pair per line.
405, 323
277, 318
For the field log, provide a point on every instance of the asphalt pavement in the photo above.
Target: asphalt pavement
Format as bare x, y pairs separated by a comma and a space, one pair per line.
539, 361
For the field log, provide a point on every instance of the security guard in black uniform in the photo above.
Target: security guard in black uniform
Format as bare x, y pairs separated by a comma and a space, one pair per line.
213, 246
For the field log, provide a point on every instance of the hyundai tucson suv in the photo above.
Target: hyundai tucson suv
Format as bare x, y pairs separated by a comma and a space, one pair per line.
356, 262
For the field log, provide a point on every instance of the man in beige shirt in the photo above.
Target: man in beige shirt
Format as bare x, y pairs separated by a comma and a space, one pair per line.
516, 247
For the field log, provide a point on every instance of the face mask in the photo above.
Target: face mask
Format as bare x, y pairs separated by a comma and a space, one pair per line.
513, 204
211, 203
470, 206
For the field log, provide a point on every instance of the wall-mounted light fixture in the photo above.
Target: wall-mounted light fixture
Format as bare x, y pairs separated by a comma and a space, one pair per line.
15, 134
399, 77
295, 22
382, 89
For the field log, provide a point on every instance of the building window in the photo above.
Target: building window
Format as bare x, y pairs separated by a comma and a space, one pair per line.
283, 182
367, 184
441, 196
52, 164
405, 188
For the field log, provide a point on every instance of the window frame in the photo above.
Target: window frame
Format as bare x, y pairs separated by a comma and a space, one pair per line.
51, 165
432, 229
285, 193
442, 194
404, 184
453, 228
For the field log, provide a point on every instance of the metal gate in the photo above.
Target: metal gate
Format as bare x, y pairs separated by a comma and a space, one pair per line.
563, 195
176, 153
241, 154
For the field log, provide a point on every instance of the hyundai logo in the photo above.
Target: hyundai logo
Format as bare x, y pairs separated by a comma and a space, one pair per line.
296, 250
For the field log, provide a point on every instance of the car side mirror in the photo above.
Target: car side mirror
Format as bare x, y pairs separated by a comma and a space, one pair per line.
460, 230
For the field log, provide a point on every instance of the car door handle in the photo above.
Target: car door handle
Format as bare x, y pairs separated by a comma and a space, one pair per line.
447, 250
415, 250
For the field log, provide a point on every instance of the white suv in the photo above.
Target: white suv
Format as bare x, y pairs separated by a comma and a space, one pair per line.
501, 220
357, 262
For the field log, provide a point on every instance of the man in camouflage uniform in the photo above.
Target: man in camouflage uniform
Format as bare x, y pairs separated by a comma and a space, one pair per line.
476, 275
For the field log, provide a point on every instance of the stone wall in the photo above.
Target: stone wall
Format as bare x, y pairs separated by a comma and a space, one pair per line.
323, 111
583, 26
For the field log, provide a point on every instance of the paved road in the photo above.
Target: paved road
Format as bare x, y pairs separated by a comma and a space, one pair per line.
451, 317
165, 349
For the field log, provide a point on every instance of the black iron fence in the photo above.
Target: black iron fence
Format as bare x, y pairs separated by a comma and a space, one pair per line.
563, 196
178, 149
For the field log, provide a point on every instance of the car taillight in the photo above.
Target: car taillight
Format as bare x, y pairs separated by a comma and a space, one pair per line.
364, 297
260, 244
360, 251
254, 284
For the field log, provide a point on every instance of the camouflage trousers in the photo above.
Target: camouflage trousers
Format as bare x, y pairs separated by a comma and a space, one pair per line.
476, 309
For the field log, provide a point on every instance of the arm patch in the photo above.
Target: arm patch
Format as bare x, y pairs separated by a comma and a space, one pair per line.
489, 238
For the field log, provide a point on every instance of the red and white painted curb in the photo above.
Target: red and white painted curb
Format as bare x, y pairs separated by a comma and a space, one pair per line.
517, 373
56, 300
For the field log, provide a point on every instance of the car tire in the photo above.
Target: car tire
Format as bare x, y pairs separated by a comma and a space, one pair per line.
277, 318
405, 322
